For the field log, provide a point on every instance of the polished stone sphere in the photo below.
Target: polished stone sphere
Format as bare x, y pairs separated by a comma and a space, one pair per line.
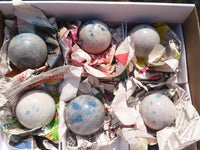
94, 37
27, 51
157, 111
85, 115
35, 108
145, 37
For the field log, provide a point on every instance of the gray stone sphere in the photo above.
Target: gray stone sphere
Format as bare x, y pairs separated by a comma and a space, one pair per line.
85, 115
27, 51
35, 108
145, 37
94, 37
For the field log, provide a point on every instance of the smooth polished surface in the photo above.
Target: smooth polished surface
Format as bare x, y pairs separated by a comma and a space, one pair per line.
27, 50
85, 115
94, 36
157, 111
145, 37
35, 109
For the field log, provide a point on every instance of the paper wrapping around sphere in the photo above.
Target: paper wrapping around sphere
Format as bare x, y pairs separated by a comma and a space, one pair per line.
157, 111
35, 109
94, 37
85, 115
145, 37
27, 51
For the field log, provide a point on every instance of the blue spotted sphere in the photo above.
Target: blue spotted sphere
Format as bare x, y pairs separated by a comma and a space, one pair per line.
145, 37
85, 115
157, 111
94, 37
27, 51
35, 108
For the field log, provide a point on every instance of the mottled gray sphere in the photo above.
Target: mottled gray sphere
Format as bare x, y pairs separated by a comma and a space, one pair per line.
27, 51
85, 115
35, 108
145, 37
157, 111
94, 37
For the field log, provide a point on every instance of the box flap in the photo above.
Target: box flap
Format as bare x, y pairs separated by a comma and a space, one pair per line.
192, 37
124, 11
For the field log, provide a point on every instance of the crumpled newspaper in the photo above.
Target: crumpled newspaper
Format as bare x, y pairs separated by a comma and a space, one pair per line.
185, 130
50, 81
31, 20
110, 63
133, 129
105, 136
163, 60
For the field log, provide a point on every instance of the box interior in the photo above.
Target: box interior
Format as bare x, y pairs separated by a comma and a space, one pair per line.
183, 16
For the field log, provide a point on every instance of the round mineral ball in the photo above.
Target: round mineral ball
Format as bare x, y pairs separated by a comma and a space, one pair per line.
35, 108
94, 37
157, 111
27, 51
85, 115
145, 37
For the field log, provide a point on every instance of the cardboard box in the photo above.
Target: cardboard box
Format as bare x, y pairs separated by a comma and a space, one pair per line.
182, 17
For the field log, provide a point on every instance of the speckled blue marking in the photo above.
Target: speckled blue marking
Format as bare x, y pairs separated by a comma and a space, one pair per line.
154, 122
33, 106
75, 106
90, 30
93, 110
91, 34
79, 118
37, 109
145, 26
151, 103
93, 25
19, 36
158, 95
90, 22
88, 112
102, 29
164, 122
154, 112
27, 112
92, 103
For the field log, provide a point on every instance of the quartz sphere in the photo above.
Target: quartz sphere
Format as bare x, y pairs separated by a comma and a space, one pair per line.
85, 115
94, 37
145, 37
35, 109
27, 51
157, 111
